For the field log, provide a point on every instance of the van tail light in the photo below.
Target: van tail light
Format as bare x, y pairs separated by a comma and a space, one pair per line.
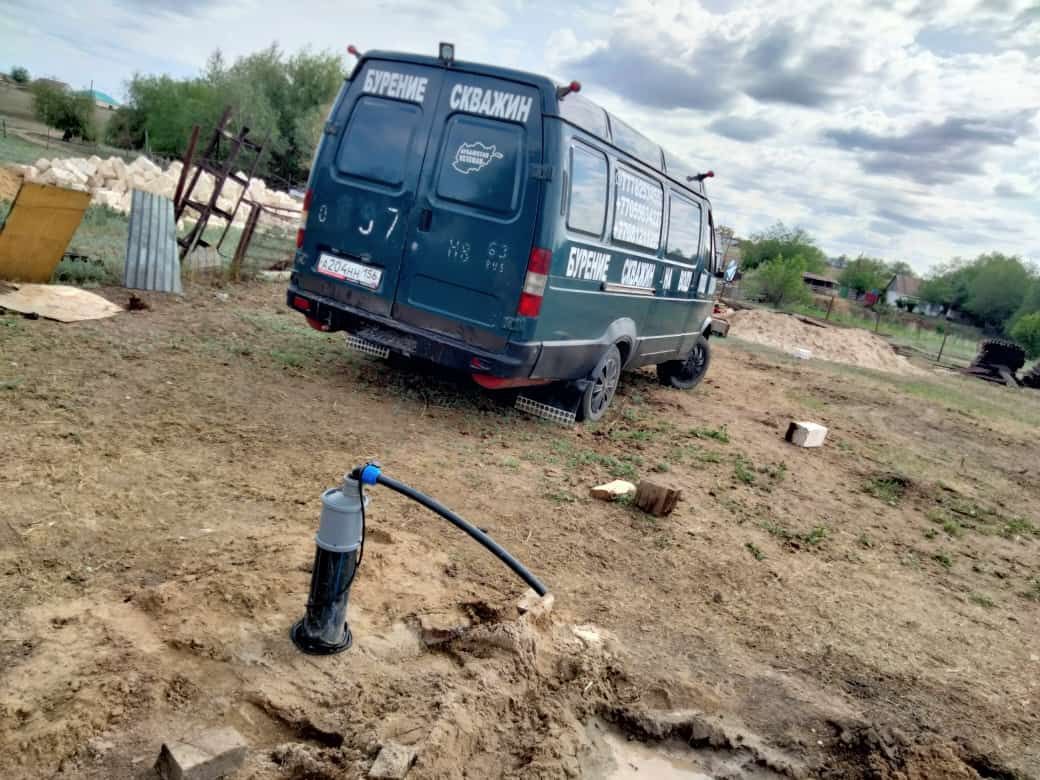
534, 283
303, 217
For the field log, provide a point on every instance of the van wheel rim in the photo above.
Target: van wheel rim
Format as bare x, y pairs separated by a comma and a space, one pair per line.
695, 362
604, 385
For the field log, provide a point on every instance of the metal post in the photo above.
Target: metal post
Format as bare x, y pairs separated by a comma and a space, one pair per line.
946, 335
830, 305
189, 157
235, 271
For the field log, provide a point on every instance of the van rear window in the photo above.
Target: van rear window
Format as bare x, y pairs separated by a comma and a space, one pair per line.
481, 163
638, 203
378, 140
684, 229
587, 203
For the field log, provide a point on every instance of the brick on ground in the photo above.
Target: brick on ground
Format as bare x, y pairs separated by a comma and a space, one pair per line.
208, 755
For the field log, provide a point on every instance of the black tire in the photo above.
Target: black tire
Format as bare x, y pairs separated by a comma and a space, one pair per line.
685, 374
603, 384
1001, 352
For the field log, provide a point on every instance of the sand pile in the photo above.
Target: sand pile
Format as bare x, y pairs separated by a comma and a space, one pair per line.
842, 345
10, 181
110, 182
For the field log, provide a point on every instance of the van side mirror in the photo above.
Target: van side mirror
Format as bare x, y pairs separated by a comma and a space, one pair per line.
729, 273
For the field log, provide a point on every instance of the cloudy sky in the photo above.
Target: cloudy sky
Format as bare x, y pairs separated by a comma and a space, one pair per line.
902, 129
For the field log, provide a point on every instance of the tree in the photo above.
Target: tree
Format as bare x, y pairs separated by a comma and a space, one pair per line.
864, 274
285, 99
1026, 332
20, 74
900, 268
997, 289
779, 281
778, 241
70, 112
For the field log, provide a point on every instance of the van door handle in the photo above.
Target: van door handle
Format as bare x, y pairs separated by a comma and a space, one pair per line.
425, 218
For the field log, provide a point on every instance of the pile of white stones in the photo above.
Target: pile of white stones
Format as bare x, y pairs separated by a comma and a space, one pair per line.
110, 183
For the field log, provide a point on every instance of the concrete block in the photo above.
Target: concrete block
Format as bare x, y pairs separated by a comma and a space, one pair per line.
42, 164
209, 755
393, 762
802, 353
612, 491
806, 434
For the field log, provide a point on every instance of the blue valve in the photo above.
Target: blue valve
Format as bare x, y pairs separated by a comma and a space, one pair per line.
370, 474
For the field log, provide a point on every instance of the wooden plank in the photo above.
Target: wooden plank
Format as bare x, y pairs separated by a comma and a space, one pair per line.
38, 230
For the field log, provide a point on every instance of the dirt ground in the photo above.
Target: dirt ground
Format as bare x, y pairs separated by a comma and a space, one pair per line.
869, 609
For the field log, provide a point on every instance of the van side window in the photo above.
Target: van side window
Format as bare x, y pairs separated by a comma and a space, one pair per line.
684, 229
638, 205
481, 163
378, 140
587, 202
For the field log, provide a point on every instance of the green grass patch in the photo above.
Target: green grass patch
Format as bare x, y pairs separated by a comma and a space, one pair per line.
1033, 591
1018, 526
889, 488
744, 470
718, 434
981, 599
865, 542
943, 559
19, 151
756, 553
561, 497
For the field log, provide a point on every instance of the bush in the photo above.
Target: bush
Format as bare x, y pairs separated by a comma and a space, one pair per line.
70, 112
82, 272
1027, 333
780, 281
20, 74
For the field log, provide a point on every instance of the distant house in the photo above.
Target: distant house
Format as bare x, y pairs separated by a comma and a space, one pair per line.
821, 284
104, 100
903, 287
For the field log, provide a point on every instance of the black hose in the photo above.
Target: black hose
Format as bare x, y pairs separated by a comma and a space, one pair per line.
494, 547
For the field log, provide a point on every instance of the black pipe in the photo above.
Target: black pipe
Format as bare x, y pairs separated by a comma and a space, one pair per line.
494, 547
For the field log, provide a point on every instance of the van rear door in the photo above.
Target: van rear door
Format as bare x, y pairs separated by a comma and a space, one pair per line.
466, 252
365, 183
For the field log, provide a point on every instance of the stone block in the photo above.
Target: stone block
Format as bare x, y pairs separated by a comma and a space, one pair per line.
393, 762
211, 754
612, 491
806, 434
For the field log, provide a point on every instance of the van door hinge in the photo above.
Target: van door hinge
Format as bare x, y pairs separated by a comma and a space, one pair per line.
331, 128
542, 172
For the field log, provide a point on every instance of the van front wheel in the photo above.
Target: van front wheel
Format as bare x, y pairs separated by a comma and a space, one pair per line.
684, 374
603, 383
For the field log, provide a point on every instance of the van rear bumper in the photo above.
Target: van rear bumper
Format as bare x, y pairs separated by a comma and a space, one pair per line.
516, 360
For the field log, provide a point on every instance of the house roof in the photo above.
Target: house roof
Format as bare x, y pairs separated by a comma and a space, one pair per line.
903, 284
104, 97
811, 277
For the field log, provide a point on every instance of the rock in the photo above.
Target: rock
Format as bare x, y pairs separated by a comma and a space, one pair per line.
107, 169
535, 605
612, 491
210, 754
802, 353
806, 434
393, 762
42, 164
658, 500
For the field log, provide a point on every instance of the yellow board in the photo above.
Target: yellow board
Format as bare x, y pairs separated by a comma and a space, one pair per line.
38, 230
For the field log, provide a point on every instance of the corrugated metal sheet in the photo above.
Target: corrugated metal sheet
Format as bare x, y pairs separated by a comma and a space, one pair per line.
151, 245
37, 231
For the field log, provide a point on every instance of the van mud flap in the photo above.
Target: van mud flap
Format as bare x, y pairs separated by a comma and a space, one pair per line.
557, 402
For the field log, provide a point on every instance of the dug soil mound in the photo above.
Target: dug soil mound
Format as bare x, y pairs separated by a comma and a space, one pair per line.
842, 345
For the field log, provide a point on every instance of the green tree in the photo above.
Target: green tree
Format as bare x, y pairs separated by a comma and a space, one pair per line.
124, 129
900, 268
20, 74
70, 112
864, 274
777, 241
779, 281
1026, 331
997, 289
1030, 301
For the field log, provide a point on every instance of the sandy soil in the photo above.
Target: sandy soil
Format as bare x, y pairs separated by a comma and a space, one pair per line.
852, 346
869, 609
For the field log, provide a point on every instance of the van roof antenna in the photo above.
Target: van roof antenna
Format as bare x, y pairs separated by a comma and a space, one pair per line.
566, 89
701, 176
352, 49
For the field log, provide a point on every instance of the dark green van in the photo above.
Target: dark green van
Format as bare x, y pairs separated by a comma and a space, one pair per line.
493, 222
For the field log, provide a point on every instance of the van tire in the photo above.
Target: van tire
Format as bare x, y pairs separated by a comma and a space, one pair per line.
603, 382
686, 374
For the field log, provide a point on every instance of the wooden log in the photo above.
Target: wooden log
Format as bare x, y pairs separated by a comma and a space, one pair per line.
657, 500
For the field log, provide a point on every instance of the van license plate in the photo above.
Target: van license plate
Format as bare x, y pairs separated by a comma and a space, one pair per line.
349, 271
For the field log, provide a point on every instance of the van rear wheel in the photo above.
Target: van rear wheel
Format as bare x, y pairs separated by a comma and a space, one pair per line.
603, 383
684, 374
